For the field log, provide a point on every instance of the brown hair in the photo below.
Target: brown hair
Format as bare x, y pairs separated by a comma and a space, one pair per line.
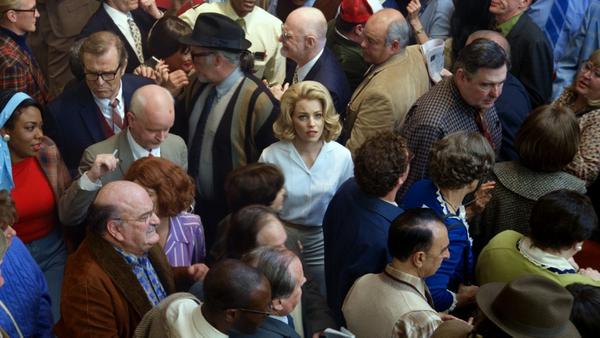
174, 187
8, 212
379, 162
255, 183
306, 90
99, 43
548, 139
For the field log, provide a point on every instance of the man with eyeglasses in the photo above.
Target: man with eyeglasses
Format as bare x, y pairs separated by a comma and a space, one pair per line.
303, 39
120, 271
18, 68
150, 117
226, 116
94, 108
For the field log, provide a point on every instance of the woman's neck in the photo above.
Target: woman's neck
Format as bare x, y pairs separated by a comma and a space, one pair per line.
454, 197
308, 150
579, 103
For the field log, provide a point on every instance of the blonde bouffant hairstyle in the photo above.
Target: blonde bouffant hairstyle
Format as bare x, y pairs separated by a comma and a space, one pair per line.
307, 90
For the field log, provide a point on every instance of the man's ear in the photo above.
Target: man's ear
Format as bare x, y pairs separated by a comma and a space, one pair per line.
11, 16
231, 315
359, 29
311, 41
460, 75
276, 303
130, 118
418, 258
113, 227
395, 45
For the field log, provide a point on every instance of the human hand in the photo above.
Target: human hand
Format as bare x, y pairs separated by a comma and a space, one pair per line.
278, 90
413, 8
162, 72
145, 71
446, 316
318, 334
198, 271
149, 6
483, 195
444, 73
103, 163
466, 294
177, 80
592, 273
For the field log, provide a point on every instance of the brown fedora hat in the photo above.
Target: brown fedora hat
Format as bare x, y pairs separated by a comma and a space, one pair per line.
529, 306
217, 31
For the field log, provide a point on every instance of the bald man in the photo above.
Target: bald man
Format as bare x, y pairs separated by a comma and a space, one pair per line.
303, 42
512, 105
119, 272
396, 80
150, 117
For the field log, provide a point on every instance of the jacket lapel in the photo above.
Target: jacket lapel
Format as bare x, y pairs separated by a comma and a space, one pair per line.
89, 113
125, 156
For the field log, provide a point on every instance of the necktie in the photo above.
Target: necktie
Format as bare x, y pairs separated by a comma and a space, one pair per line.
481, 125
295, 78
116, 117
556, 20
196, 145
242, 23
137, 39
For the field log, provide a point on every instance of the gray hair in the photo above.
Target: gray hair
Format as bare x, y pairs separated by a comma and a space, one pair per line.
397, 30
274, 264
460, 158
231, 57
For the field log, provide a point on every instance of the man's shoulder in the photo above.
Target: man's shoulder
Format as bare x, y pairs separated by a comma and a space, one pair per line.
103, 146
135, 81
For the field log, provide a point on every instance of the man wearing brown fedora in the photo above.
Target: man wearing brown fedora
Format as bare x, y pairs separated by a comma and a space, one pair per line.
225, 115
529, 306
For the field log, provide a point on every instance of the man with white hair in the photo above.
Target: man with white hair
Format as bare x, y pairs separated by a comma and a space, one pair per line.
303, 42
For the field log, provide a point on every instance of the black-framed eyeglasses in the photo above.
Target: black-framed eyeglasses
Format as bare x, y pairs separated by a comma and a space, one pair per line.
144, 218
285, 35
106, 76
200, 55
32, 10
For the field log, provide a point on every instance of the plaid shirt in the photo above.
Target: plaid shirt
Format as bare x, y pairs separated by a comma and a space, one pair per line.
20, 71
144, 272
440, 112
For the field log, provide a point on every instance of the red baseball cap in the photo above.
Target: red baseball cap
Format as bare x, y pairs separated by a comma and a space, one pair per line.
355, 11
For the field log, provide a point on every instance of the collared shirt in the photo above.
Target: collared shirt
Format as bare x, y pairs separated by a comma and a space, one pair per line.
224, 94
435, 18
309, 191
144, 272
120, 19
303, 71
508, 25
390, 304
105, 107
185, 242
437, 113
543, 259
184, 318
262, 29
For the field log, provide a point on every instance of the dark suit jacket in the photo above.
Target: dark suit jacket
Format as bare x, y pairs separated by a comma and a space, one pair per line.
513, 106
270, 328
73, 120
328, 72
355, 228
531, 59
101, 21
102, 297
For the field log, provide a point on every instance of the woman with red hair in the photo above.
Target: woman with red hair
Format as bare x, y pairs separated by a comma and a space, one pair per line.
172, 191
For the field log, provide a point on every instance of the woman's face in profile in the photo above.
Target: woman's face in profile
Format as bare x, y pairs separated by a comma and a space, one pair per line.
181, 60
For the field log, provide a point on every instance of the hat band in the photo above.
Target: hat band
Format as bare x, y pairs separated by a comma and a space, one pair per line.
529, 329
217, 43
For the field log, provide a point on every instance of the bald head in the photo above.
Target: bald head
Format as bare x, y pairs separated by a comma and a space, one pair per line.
492, 36
309, 21
151, 115
304, 35
386, 34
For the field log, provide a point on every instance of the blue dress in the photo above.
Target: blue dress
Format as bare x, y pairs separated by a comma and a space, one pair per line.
459, 267
25, 294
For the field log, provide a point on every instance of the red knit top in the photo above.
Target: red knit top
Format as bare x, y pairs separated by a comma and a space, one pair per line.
34, 200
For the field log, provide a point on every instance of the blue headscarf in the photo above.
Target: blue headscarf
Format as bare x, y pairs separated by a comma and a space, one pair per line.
11, 100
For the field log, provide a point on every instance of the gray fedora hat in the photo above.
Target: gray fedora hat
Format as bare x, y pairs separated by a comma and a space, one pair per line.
217, 31
529, 306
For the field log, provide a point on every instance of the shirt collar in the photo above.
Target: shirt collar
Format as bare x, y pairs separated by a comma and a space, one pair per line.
303, 71
130, 258
232, 14
104, 104
283, 319
508, 25
230, 80
115, 13
548, 261
137, 150
415, 281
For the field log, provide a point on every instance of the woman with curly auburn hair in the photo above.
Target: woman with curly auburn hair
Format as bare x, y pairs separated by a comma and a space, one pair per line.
314, 165
458, 163
172, 191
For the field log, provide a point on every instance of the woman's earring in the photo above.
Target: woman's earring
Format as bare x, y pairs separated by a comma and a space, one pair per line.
6, 137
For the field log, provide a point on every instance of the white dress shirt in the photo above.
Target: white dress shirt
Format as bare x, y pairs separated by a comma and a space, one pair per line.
309, 191
106, 109
120, 19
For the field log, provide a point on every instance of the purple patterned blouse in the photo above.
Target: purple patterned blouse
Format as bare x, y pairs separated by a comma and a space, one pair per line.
185, 243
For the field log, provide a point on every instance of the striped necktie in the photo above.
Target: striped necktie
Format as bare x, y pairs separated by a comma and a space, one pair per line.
116, 117
137, 39
556, 20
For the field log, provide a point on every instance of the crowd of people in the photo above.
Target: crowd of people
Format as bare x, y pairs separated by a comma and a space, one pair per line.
299, 168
